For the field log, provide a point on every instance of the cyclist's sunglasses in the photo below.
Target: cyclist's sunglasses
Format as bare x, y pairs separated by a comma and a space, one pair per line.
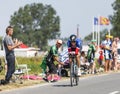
73, 41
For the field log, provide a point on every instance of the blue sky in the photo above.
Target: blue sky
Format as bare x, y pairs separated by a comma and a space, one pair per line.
71, 12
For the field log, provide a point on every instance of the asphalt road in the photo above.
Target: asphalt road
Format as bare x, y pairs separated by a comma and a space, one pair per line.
100, 84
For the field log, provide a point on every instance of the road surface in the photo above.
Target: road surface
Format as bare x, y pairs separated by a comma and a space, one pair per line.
100, 84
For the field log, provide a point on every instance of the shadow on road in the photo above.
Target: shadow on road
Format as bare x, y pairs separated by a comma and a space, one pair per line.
62, 85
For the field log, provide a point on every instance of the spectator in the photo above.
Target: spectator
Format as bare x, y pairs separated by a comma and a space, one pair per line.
111, 56
114, 52
51, 58
101, 58
83, 59
84, 62
9, 46
106, 44
91, 56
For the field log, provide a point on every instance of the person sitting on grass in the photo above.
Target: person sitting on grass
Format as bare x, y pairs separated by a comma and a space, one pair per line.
84, 62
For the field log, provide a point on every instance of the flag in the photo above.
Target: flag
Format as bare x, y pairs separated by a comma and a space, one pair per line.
104, 21
95, 21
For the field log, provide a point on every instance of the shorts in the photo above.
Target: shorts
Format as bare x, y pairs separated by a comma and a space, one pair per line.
52, 67
108, 56
100, 62
90, 60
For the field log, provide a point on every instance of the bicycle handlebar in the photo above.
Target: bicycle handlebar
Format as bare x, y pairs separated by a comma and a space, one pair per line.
72, 54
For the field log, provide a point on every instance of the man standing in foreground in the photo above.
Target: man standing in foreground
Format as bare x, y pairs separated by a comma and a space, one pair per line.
9, 46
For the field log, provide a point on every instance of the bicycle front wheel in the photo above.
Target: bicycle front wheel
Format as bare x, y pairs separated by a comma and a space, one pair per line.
76, 75
71, 74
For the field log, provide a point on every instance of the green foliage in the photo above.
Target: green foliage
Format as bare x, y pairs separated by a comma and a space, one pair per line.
102, 35
35, 24
1, 43
115, 18
88, 38
33, 63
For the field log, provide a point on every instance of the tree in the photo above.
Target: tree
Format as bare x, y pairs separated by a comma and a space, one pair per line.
35, 24
115, 18
102, 35
1, 43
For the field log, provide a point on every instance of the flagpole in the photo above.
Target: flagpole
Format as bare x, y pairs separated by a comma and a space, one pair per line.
98, 31
109, 32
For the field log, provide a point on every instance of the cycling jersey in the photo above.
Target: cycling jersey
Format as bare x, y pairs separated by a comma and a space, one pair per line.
76, 47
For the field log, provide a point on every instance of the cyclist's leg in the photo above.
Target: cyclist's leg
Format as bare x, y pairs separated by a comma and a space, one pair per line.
78, 63
71, 71
70, 62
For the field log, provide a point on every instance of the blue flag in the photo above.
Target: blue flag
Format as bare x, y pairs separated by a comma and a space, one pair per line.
95, 21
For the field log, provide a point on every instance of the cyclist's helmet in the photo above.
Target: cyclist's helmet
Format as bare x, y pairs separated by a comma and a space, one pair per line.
73, 37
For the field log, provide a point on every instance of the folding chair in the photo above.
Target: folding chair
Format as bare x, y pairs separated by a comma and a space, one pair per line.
23, 68
18, 75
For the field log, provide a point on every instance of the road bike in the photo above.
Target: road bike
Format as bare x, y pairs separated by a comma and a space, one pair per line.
73, 70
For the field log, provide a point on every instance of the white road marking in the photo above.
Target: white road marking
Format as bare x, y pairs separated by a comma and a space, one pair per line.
114, 92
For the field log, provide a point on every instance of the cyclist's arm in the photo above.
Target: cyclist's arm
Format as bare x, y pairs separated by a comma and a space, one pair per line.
77, 50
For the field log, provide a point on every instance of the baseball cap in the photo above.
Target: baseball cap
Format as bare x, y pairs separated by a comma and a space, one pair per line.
59, 41
111, 36
107, 36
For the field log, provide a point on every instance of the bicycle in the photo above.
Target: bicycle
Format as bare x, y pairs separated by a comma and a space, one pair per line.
73, 70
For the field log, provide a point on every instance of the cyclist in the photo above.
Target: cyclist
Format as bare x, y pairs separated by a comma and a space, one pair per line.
75, 44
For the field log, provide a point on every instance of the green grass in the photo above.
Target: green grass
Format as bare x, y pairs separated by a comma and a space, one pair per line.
33, 63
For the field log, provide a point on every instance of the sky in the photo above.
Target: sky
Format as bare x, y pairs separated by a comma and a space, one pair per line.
72, 13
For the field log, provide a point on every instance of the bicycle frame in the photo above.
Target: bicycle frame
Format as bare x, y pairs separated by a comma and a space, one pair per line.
73, 70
